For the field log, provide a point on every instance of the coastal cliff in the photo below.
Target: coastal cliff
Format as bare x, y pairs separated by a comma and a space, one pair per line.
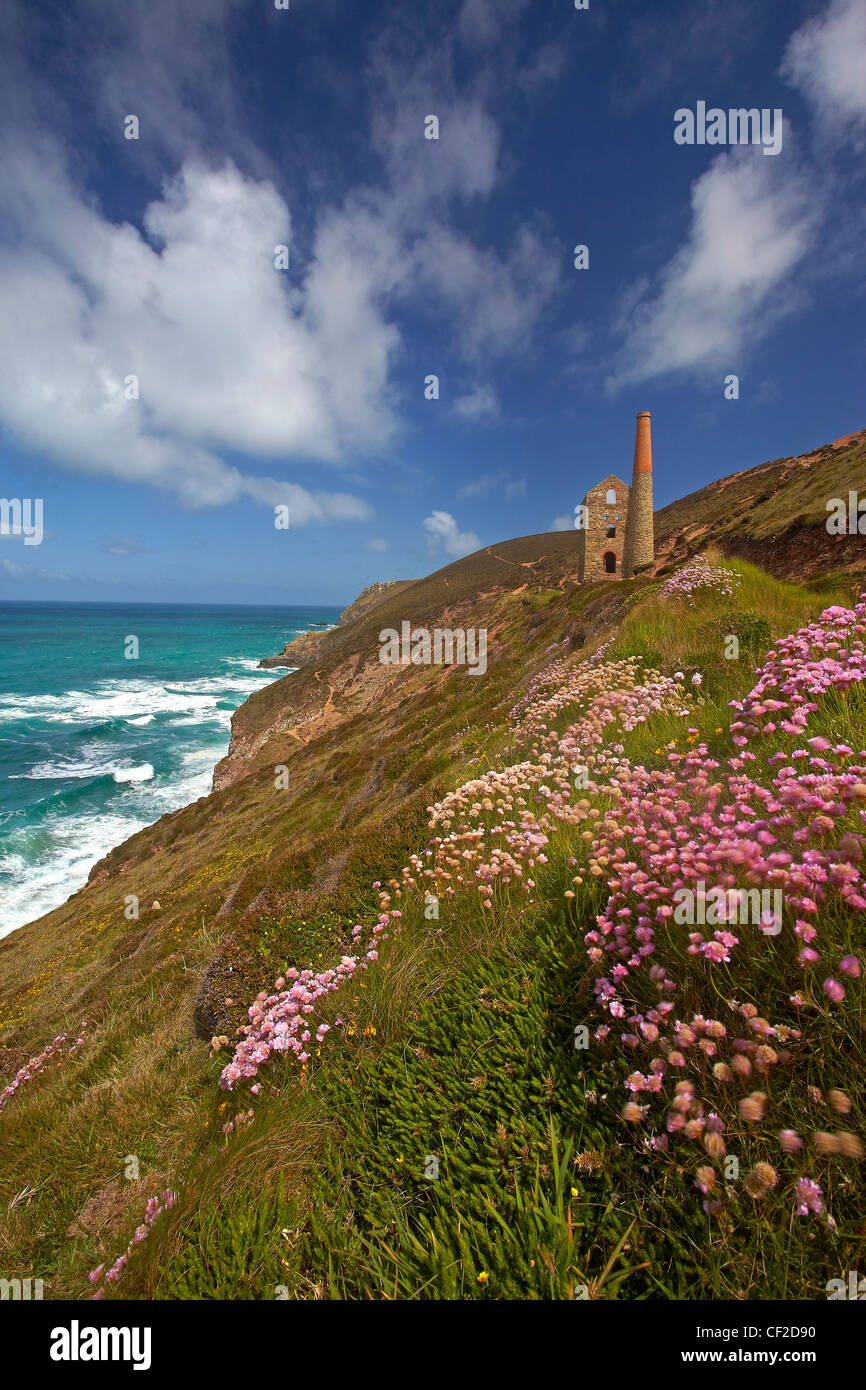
459, 1039
308, 646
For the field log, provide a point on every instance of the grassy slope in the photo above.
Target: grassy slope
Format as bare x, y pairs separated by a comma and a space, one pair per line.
459, 1047
246, 879
783, 502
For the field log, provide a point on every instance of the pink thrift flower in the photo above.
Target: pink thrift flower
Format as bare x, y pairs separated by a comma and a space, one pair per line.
808, 1197
790, 1141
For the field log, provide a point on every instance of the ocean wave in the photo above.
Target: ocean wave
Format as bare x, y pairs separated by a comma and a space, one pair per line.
83, 707
134, 774
222, 717
222, 685
109, 772
32, 887
246, 663
133, 701
84, 770
66, 770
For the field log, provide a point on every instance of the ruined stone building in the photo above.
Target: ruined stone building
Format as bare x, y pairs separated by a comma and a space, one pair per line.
615, 522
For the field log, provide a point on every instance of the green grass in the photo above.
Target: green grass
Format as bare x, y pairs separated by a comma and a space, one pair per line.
541, 1193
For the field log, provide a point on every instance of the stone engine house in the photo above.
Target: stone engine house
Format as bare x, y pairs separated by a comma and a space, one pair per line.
614, 522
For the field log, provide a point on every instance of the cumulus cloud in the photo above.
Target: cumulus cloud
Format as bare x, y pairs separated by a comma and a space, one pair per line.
227, 355
751, 225
497, 300
562, 523
232, 356
444, 533
826, 60
481, 403
493, 301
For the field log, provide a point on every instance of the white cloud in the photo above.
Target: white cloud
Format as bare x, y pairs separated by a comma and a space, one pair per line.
479, 404
170, 64
491, 482
481, 23
752, 224
562, 523
228, 353
234, 357
497, 301
442, 531
826, 60
377, 545
231, 354
480, 487
492, 301
544, 66
12, 570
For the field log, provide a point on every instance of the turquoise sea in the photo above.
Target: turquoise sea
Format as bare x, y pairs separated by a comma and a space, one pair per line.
94, 746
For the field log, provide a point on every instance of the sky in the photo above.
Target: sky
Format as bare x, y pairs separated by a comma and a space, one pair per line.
241, 309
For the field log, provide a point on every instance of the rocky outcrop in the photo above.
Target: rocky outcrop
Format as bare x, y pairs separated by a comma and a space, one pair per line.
369, 596
295, 653
308, 647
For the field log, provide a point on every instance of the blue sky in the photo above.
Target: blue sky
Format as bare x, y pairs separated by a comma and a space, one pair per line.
408, 257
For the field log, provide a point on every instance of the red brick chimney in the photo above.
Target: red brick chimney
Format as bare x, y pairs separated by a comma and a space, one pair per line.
640, 537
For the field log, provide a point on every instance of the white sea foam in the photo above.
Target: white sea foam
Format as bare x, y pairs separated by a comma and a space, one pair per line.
125, 700
223, 685
76, 842
247, 663
31, 887
136, 701
143, 773
222, 717
33, 881
65, 770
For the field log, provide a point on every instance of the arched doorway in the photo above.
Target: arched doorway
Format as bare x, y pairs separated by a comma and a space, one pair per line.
609, 562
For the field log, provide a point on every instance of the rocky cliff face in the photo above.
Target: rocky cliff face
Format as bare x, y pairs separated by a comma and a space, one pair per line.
295, 653
308, 647
370, 596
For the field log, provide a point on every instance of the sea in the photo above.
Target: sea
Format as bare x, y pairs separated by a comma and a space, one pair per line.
97, 742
